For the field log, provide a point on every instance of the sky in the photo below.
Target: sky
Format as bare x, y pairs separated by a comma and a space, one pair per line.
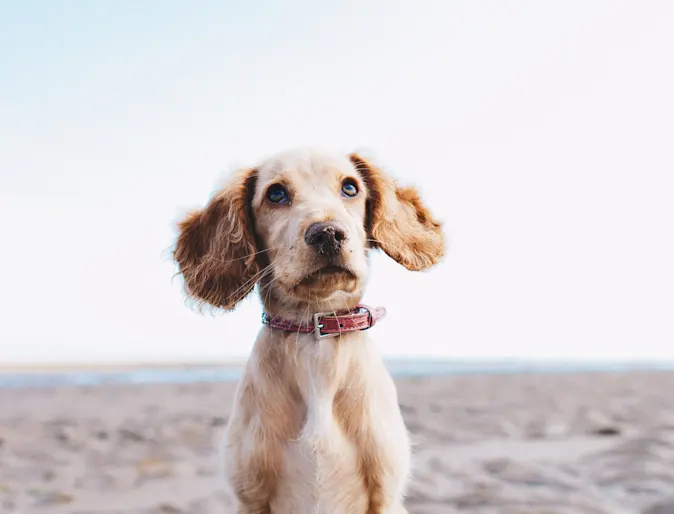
540, 132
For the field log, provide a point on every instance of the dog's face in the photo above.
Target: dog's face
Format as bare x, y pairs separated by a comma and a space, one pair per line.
301, 225
309, 214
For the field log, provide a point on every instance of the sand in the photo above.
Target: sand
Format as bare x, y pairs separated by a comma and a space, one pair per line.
507, 444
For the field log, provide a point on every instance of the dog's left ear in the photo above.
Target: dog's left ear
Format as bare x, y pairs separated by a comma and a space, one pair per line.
397, 220
216, 247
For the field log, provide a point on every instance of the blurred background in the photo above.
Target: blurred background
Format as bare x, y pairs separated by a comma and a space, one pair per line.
540, 132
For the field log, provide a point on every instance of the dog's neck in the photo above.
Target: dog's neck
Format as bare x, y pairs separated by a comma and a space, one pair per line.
303, 311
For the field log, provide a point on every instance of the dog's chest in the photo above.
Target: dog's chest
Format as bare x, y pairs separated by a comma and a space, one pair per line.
323, 465
321, 468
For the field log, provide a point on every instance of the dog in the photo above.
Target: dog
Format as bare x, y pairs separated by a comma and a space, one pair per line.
316, 426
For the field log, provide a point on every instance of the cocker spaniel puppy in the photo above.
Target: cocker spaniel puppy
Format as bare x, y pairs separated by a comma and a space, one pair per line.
316, 426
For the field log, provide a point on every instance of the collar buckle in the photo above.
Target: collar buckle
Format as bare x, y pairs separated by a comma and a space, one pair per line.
318, 326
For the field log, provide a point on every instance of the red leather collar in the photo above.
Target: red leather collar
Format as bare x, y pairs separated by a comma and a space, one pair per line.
324, 325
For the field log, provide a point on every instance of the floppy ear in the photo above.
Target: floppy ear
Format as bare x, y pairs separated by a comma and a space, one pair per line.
397, 220
216, 247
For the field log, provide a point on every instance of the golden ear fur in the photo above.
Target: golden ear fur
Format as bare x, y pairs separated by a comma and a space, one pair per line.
216, 247
398, 221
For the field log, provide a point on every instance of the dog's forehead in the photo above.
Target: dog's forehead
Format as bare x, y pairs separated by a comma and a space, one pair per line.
306, 166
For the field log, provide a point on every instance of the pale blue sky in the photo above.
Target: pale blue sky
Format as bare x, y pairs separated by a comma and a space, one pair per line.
541, 132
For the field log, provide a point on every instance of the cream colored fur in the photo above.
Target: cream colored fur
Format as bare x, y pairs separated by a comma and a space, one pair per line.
316, 427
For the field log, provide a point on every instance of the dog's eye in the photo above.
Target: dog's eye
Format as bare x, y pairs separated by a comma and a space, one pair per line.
277, 194
349, 187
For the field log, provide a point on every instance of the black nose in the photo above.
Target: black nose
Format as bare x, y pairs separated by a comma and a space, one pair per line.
326, 237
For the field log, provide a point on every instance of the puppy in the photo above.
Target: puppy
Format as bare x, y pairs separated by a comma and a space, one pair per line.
316, 426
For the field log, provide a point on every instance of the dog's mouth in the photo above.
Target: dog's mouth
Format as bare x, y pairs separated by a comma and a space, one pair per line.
328, 273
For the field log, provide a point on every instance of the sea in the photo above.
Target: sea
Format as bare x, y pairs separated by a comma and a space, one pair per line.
410, 368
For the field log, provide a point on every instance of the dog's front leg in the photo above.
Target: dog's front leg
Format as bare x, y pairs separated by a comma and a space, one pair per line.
260, 426
254, 474
253, 464
383, 474
374, 423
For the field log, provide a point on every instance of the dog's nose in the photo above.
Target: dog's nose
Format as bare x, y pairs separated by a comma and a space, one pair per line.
326, 237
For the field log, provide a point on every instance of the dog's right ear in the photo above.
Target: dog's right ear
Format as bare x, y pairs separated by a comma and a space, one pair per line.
398, 222
216, 247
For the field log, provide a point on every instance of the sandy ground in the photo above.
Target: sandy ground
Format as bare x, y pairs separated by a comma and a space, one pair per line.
509, 444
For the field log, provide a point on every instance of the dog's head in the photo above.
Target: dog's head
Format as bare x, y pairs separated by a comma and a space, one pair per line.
301, 226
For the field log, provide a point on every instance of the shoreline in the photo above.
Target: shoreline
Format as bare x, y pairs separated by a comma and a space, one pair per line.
122, 367
397, 362
57, 377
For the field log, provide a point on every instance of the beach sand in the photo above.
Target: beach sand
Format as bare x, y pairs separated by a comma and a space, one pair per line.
507, 444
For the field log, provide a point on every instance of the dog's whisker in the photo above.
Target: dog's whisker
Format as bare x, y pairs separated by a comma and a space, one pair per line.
256, 277
249, 282
334, 313
297, 336
389, 245
219, 261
